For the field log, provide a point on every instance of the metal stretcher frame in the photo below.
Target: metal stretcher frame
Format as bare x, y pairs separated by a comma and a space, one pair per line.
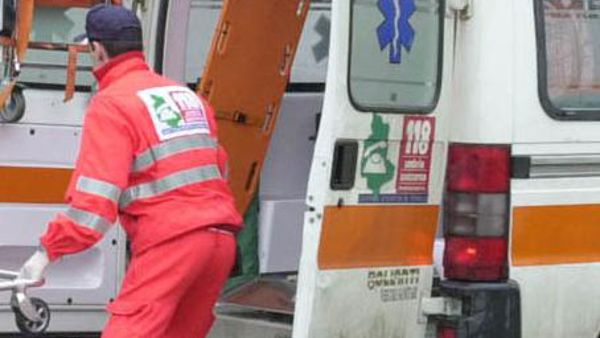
32, 315
15, 48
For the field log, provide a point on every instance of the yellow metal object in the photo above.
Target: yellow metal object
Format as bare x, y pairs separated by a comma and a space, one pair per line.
245, 78
25, 10
5, 93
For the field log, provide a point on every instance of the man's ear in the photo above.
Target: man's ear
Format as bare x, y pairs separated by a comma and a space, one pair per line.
96, 46
100, 51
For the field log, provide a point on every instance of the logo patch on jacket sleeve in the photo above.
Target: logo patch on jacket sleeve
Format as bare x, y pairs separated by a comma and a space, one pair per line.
175, 111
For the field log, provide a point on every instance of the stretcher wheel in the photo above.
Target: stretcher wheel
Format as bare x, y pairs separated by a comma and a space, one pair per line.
30, 328
15, 107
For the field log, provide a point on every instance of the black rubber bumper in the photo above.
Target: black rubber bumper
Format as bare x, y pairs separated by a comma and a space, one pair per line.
489, 310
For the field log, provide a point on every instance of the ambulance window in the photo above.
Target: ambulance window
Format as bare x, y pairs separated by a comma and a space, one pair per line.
310, 63
49, 68
203, 20
395, 55
569, 58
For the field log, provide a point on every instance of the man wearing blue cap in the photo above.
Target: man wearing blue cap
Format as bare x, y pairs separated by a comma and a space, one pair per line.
150, 156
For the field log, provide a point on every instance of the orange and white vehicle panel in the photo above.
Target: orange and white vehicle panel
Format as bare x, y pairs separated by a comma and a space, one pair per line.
526, 84
555, 246
375, 188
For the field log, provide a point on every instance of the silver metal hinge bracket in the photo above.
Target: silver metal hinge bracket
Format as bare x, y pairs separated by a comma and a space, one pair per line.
441, 306
464, 8
139, 4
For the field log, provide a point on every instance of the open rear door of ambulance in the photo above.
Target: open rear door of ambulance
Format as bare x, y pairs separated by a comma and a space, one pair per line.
375, 189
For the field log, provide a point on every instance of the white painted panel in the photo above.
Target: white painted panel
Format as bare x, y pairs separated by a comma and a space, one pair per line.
370, 302
559, 301
45, 106
286, 169
280, 235
38, 145
284, 178
555, 191
482, 77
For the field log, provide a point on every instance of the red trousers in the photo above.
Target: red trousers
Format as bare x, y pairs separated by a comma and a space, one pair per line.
170, 290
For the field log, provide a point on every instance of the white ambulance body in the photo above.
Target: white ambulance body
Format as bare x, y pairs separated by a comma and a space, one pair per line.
488, 125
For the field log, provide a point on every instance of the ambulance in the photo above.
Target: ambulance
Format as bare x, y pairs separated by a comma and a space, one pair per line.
479, 116
445, 184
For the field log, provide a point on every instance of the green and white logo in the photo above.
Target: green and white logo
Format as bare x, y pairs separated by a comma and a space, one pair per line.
375, 166
175, 111
165, 113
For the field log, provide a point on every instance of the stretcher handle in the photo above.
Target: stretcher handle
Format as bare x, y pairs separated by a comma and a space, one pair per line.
20, 284
12, 282
5, 274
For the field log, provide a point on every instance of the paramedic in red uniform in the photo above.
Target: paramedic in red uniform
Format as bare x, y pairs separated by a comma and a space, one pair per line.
149, 156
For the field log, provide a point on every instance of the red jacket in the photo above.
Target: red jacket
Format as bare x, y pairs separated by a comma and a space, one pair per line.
149, 155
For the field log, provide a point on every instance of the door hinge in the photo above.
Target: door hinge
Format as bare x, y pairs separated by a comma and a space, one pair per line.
441, 306
464, 8
139, 4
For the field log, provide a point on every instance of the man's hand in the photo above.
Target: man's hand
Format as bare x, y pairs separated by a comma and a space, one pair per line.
34, 268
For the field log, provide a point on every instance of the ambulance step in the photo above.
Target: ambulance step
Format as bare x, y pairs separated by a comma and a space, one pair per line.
267, 294
250, 325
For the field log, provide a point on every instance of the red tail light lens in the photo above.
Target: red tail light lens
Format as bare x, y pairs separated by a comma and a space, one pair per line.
476, 258
447, 332
476, 212
478, 168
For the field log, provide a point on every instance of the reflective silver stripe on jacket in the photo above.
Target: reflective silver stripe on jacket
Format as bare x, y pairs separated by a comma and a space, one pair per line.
169, 183
99, 188
170, 148
89, 220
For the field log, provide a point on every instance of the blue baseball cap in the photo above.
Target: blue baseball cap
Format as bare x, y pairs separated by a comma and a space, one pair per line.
112, 23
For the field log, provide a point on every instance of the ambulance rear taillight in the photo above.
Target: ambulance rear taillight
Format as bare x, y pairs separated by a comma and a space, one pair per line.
476, 212
446, 332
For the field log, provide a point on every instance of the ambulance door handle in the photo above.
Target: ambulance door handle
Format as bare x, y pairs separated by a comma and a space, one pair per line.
343, 171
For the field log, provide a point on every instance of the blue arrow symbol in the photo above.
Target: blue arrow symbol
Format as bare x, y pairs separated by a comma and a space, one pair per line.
396, 31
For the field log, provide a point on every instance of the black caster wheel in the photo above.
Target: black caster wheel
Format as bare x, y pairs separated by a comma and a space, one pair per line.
30, 328
14, 108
